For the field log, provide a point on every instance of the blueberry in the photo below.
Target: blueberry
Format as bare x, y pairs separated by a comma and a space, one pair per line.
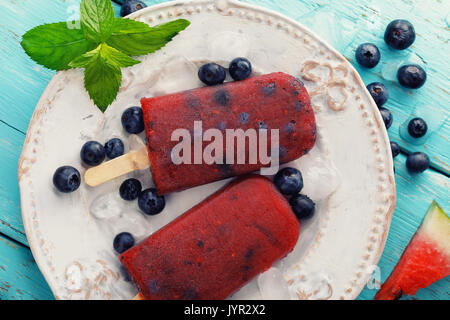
222, 97
417, 128
123, 241
395, 149
150, 202
417, 162
289, 181
269, 89
387, 117
379, 93
262, 125
130, 189
400, 34
368, 55
411, 76
66, 179
302, 206
130, 6
133, 120
244, 118
114, 148
92, 153
240, 69
212, 74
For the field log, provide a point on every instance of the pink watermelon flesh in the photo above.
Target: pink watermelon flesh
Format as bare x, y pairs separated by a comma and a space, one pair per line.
425, 260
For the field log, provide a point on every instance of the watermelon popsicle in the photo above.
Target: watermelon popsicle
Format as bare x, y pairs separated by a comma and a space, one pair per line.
273, 102
216, 247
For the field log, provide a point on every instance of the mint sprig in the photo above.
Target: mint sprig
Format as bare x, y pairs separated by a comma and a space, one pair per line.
134, 38
102, 74
97, 19
102, 46
54, 45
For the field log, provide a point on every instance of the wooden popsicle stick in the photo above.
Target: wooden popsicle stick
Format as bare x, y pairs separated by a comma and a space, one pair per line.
132, 161
139, 297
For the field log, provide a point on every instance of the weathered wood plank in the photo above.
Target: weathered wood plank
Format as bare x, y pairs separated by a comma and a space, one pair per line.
20, 278
414, 195
23, 81
11, 142
346, 24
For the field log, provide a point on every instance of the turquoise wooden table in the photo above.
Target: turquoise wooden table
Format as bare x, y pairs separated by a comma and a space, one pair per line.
345, 24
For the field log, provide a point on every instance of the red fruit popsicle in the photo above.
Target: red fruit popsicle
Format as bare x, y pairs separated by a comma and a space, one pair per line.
216, 247
273, 101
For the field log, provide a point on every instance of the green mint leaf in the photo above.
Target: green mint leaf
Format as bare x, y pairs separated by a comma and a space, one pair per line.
97, 19
55, 45
116, 57
131, 37
124, 26
85, 59
102, 81
102, 75
113, 56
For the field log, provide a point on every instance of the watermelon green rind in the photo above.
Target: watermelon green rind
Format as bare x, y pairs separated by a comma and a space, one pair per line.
436, 224
425, 260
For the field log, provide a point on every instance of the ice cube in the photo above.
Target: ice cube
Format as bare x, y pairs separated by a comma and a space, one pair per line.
320, 177
389, 69
273, 286
144, 176
133, 221
110, 129
179, 74
392, 62
136, 142
227, 45
347, 34
107, 206
434, 119
339, 32
321, 21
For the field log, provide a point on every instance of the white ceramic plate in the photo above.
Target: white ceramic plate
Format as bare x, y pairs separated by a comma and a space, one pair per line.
349, 173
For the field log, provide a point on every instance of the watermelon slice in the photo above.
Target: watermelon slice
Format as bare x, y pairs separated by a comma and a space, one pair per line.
425, 260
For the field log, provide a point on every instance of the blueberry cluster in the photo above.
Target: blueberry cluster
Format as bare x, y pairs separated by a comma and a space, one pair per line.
399, 35
289, 182
94, 153
67, 179
213, 74
149, 202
